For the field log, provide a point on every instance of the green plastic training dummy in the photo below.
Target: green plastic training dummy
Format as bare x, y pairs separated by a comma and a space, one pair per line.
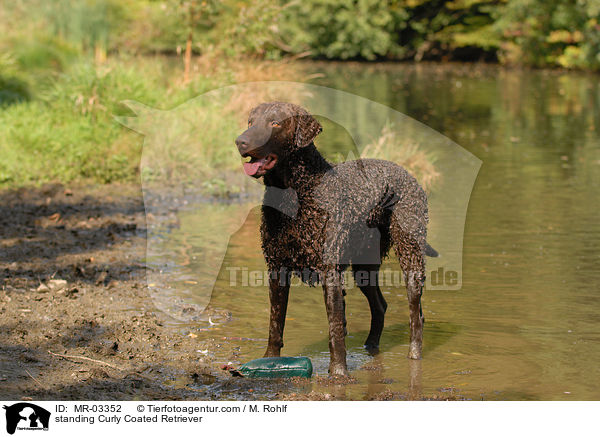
277, 367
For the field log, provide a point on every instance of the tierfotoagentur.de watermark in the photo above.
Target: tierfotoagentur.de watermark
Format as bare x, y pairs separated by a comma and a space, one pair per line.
385, 277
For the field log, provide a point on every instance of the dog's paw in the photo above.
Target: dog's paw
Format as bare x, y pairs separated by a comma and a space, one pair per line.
338, 370
372, 349
414, 353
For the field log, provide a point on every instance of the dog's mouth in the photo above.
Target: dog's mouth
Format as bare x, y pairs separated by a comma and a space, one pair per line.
257, 167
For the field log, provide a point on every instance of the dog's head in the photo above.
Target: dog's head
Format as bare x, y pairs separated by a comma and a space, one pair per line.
274, 130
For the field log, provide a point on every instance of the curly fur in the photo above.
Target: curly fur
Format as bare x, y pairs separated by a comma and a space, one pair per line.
318, 219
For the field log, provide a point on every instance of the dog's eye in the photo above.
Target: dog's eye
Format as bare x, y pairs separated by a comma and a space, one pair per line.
275, 124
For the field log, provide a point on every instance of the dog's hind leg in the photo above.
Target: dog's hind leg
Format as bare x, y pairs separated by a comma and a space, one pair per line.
279, 288
366, 278
408, 232
410, 248
414, 286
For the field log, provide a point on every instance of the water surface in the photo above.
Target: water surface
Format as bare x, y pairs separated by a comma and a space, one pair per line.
525, 324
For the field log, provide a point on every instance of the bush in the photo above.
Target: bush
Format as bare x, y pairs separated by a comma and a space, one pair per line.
558, 33
43, 53
340, 29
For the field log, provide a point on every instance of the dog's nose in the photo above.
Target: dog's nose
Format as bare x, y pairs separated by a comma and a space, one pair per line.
241, 143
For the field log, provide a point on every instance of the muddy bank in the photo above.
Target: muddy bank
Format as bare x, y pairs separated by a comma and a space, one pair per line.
76, 320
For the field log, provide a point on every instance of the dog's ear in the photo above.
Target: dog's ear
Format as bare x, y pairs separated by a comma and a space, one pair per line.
307, 128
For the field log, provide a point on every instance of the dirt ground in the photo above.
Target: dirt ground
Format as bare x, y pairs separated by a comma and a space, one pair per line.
76, 320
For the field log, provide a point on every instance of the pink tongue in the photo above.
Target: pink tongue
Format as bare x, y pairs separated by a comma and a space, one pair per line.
252, 167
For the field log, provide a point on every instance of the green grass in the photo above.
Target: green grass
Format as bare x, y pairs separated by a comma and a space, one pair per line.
67, 132
71, 127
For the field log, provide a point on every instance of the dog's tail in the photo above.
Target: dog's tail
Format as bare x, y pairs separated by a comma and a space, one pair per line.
430, 251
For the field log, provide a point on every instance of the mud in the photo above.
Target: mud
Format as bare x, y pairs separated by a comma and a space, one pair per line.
76, 321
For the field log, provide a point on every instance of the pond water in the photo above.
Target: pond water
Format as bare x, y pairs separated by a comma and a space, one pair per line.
525, 325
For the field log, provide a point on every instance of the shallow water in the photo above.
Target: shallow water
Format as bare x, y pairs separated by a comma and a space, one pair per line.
525, 324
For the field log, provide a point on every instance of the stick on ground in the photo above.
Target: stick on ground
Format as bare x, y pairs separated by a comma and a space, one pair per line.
82, 358
38, 382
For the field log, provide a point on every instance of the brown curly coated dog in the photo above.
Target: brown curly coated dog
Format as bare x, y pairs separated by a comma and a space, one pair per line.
318, 219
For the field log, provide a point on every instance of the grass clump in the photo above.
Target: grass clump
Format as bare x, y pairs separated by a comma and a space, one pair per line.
13, 90
68, 132
392, 146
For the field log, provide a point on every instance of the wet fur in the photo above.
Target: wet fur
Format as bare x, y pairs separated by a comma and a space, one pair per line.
318, 219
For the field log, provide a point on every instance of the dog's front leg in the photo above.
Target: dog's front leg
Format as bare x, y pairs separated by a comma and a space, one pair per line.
334, 301
279, 289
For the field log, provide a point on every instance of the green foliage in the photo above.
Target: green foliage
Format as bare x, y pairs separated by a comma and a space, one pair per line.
164, 26
456, 29
401, 29
248, 28
530, 32
543, 33
340, 29
152, 27
88, 24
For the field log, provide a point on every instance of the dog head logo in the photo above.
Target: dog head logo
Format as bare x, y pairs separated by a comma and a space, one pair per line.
26, 416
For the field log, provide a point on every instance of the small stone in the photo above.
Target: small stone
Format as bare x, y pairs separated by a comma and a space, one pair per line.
43, 288
57, 284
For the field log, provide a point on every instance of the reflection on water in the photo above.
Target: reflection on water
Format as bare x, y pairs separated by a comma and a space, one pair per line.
525, 323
